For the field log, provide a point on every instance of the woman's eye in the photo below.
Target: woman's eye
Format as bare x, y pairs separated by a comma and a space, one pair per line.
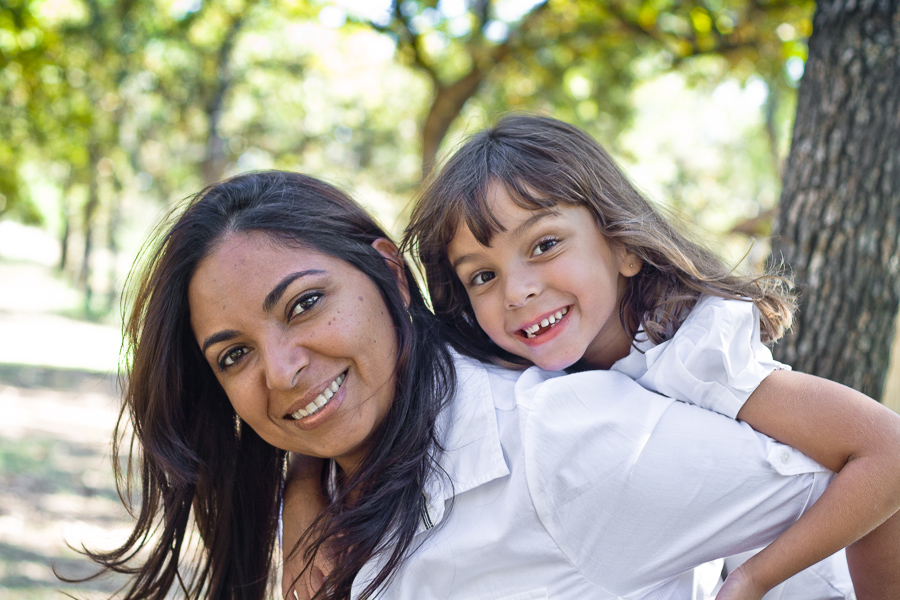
544, 246
483, 277
232, 357
305, 303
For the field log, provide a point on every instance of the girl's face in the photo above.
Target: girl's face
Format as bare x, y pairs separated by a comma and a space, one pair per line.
549, 287
302, 343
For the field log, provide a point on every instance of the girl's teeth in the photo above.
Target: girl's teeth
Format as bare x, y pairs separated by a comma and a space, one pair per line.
549, 321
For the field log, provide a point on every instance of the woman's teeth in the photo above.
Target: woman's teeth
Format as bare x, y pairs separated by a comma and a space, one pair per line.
548, 322
323, 398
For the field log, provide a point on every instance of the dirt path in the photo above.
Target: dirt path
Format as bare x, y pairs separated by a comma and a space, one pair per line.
56, 423
55, 482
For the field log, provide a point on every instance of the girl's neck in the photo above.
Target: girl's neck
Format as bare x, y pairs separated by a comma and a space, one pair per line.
605, 354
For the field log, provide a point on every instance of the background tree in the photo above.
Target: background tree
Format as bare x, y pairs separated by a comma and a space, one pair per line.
120, 106
840, 207
574, 53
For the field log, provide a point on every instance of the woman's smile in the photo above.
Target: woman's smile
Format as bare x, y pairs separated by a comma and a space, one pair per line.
297, 341
321, 400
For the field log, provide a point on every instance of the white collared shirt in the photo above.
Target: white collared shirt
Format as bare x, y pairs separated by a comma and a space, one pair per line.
715, 360
589, 486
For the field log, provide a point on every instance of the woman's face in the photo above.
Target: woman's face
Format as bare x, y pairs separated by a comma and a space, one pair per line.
302, 343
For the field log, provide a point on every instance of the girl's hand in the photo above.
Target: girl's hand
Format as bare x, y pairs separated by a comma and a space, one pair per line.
302, 503
738, 586
310, 582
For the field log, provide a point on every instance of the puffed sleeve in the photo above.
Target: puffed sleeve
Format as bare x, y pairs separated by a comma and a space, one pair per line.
715, 360
636, 488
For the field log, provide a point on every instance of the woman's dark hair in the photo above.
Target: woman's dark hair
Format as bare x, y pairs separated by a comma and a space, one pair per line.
194, 459
542, 162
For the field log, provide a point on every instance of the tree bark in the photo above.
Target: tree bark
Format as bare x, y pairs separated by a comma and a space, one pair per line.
840, 204
214, 160
90, 211
447, 104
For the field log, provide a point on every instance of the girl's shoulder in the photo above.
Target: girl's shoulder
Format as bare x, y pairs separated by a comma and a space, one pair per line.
715, 359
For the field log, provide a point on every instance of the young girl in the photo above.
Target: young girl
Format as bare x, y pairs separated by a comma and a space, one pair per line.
538, 250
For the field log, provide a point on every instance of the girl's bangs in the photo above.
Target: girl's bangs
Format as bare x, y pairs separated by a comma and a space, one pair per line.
475, 211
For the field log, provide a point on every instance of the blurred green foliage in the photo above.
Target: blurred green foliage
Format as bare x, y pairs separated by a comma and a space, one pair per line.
110, 109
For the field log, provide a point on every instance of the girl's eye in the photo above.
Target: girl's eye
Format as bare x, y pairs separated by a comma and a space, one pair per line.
305, 303
544, 246
483, 277
232, 357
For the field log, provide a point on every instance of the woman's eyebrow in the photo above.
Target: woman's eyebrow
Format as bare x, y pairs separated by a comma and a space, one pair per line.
221, 336
274, 296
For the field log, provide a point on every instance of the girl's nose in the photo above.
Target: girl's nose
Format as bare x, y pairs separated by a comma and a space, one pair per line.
283, 365
520, 290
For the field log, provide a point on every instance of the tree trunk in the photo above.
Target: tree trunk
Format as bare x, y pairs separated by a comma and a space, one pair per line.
214, 160
65, 215
90, 211
112, 245
840, 205
446, 106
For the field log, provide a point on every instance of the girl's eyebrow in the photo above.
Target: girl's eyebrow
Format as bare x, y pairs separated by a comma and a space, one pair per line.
524, 226
274, 296
536, 216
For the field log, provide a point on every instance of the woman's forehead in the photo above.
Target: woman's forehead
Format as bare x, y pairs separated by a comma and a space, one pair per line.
245, 262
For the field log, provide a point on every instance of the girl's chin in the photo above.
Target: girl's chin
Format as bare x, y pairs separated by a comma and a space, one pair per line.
560, 363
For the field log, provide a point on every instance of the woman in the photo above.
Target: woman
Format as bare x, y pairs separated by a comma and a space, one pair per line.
194, 451
275, 316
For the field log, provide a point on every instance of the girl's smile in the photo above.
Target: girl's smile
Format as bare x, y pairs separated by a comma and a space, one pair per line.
542, 327
549, 285
297, 341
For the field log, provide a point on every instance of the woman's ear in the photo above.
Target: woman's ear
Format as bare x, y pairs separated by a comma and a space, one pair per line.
391, 254
630, 264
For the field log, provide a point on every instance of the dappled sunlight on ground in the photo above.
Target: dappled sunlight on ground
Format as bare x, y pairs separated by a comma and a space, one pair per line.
58, 405
56, 486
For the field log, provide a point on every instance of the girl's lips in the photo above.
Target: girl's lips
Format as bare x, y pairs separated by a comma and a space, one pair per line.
546, 333
546, 322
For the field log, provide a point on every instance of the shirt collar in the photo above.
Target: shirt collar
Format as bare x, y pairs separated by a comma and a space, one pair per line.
470, 436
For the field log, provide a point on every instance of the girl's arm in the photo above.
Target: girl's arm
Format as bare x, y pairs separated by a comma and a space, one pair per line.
302, 503
857, 438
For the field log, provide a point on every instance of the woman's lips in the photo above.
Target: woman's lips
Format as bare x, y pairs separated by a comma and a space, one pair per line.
321, 400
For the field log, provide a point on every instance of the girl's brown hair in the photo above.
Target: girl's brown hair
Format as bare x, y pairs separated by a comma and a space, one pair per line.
542, 162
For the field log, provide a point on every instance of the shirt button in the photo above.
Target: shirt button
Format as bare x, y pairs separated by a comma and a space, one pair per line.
785, 456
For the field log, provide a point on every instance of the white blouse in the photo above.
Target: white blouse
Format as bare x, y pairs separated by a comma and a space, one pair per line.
590, 486
716, 360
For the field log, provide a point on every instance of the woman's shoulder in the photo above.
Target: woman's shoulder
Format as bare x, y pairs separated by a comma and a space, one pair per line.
533, 387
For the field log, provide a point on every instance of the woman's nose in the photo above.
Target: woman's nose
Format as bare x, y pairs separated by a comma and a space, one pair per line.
283, 364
